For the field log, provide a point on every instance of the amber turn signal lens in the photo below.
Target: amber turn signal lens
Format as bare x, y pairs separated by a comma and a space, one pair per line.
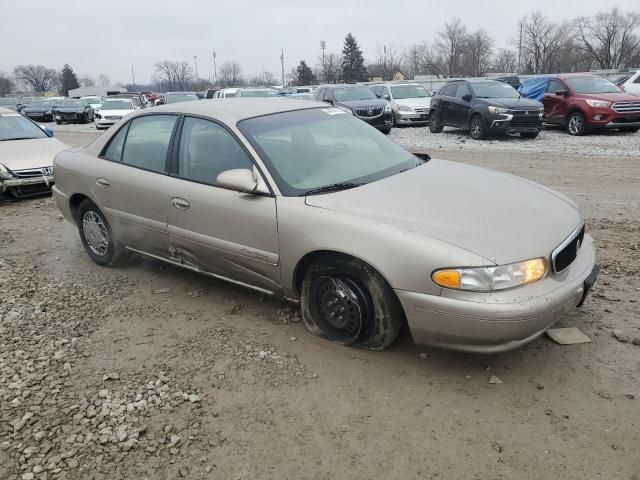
447, 278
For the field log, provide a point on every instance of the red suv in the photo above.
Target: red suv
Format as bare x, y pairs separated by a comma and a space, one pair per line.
582, 102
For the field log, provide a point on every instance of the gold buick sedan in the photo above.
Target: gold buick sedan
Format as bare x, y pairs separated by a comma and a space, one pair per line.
305, 201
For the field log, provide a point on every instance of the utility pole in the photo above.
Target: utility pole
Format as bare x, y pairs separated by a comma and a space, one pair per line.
133, 77
323, 45
215, 72
195, 62
282, 65
384, 64
415, 62
520, 49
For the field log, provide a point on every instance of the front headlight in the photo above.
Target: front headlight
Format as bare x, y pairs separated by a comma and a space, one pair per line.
488, 279
598, 103
4, 173
387, 108
493, 109
405, 108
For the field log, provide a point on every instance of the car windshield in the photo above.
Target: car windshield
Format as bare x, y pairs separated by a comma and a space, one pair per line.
180, 97
593, 84
307, 150
117, 105
494, 90
93, 100
14, 126
71, 103
257, 93
39, 105
353, 93
409, 91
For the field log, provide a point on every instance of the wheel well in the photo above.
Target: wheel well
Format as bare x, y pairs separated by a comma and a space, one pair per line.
74, 203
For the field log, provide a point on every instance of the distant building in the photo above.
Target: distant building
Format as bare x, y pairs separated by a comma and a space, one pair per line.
95, 91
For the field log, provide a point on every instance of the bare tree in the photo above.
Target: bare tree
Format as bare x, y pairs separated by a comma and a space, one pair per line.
451, 44
329, 72
230, 74
6, 84
389, 61
610, 38
267, 78
478, 52
542, 42
87, 81
505, 61
37, 78
428, 60
103, 80
172, 75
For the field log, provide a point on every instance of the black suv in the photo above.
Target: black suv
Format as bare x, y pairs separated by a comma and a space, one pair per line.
360, 101
484, 107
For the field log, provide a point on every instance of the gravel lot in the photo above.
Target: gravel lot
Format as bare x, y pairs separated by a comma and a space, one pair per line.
148, 371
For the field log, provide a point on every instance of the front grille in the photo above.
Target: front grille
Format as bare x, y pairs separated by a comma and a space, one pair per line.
31, 172
420, 110
521, 120
568, 250
69, 116
626, 107
368, 112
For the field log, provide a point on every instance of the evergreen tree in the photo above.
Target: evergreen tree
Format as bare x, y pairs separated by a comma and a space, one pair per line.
68, 80
353, 69
304, 74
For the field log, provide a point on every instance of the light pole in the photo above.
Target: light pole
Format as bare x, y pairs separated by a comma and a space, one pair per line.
323, 45
215, 72
195, 62
282, 65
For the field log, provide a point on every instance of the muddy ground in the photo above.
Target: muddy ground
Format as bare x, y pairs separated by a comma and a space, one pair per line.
148, 371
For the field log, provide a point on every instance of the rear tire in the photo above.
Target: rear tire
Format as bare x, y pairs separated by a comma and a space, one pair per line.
576, 124
529, 135
97, 237
477, 129
435, 125
340, 286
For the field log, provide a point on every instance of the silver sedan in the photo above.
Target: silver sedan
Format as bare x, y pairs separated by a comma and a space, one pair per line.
306, 202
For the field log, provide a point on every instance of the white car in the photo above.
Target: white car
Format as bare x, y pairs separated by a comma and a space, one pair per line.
26, 155
227, 93
632, 84
112, 111
95, 102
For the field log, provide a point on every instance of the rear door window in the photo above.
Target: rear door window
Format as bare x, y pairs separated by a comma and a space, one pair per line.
463, 90
553, 86
450, 90
148, 141
113, 151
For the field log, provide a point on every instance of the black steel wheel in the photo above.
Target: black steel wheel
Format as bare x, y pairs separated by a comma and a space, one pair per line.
348, 302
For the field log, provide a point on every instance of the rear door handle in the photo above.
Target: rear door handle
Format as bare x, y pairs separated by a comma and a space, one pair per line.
102, 182
180, 203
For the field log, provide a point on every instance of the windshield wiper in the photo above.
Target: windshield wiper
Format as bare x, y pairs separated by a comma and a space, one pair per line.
16, 138
334, 187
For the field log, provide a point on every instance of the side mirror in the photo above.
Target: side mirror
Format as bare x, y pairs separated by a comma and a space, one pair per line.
328, 100
387, 97
466, 98
562, 93
240, 180
160, 102
47, 130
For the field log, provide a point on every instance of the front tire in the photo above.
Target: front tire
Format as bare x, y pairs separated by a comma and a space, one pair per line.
435, 125
630, 129
529, 135
576, 124
386, 130
347, 301
477, 129
97, 237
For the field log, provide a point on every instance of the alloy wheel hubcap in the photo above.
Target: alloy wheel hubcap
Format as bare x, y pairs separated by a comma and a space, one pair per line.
475, 128
575, 124
95, 233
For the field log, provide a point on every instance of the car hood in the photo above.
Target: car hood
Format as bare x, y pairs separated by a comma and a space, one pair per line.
414, 102
36, 109
114, 113
520, 103
36, 153
498, 216
69, 109
373, 102
610, 97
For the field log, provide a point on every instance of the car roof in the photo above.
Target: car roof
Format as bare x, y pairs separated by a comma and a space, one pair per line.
343, 85
233, 110
574, 75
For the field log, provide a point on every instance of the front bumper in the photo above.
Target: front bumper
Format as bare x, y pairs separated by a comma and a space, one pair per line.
499, 321
27, 186
70, 117
509, 123
411, 118
383, 120
103, 122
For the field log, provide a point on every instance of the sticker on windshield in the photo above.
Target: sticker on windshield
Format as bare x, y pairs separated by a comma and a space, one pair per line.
334, 111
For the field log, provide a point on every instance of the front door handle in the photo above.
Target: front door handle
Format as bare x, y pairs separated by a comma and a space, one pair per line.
180, 203
102, 182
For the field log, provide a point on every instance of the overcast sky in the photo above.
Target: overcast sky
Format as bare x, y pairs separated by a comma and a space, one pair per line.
108, 36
